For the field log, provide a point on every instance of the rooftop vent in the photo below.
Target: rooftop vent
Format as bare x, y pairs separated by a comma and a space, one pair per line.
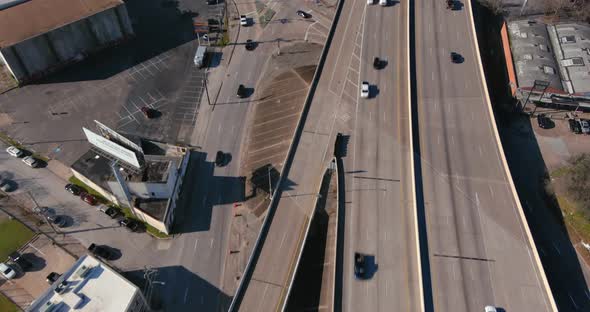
568, 39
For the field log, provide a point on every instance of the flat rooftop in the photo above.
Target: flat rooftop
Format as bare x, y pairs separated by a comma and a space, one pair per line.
97, 168
36, 17
574, 40
532, 54
90, 286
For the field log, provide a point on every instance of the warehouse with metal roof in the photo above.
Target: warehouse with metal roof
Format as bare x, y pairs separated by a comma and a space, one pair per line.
40, 36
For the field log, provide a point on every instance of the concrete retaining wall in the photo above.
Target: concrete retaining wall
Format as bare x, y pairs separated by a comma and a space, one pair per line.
36, 57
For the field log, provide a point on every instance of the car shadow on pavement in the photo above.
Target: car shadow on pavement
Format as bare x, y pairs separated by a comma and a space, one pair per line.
202, 191
158, 26
529, 173
175, 288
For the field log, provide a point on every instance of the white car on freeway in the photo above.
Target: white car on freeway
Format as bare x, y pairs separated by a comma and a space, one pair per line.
383, 2
490, 309
7, 272
364, 89
14, 151
370, 2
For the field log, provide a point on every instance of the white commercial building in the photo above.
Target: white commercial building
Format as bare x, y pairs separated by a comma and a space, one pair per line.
91, 285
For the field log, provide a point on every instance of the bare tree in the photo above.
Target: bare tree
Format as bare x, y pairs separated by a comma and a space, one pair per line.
557, 7
495, 6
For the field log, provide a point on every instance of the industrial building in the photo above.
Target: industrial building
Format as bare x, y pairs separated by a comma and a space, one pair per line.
40, 36
549, 64
144, 175
91, 285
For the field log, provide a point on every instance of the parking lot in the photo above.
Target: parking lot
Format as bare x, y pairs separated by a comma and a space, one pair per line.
155, 70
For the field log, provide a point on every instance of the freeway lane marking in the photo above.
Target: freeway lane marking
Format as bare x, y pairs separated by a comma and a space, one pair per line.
196, 243
185, 294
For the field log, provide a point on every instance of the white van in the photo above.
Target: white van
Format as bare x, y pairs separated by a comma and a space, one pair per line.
200, 56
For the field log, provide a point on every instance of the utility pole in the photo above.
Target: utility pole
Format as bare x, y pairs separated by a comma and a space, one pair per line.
39, 211
269, 183
207, 90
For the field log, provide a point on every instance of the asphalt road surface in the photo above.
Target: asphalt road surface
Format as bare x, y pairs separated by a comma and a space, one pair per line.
478, 250
380, 221
273, 272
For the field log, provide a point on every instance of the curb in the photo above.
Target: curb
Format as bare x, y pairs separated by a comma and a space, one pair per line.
523, 220
412, 170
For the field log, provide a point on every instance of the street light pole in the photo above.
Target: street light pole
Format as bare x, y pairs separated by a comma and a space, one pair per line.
269, 183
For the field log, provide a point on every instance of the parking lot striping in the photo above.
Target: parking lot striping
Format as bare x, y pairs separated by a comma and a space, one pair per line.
39, 251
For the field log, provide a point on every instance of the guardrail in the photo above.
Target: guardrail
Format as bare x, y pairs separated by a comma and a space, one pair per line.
249, 270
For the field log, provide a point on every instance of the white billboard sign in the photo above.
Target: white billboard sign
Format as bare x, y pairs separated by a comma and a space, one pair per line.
117, 136
112, 148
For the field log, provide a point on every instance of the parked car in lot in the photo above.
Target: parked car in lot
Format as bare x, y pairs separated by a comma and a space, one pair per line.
575, 126
130, 224
21, 261
148, 112
109, 211
243, 20
57, 220
89, 199
585, 126
7, 271
14, 151
365, 90
100, 251
52, 277
74, 189
7, 185
544, 121
250, 45
30, 161
303, 14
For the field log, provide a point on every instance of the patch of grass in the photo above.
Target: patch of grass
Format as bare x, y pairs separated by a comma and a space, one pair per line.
14, 234
7, 305
88, 189
576, 220
560, 172
152, 230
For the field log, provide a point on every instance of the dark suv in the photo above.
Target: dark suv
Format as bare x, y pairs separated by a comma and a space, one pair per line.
130, 224
575, 126
100, 251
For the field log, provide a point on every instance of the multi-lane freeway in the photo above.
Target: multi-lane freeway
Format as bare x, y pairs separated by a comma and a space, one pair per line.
478, 242
380, 220
478, 247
